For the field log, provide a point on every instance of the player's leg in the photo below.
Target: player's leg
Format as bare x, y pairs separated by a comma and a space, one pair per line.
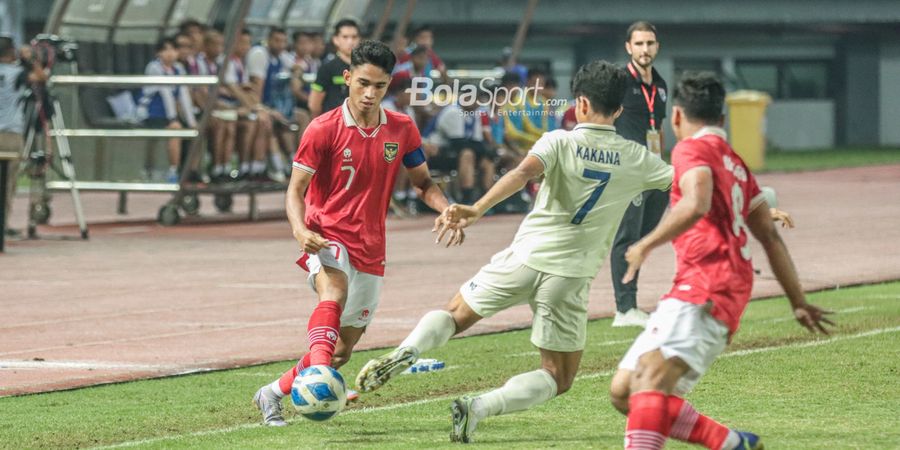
629, 232
559, 329
504, 282
521, 392
466, 170
662, 366
330, 273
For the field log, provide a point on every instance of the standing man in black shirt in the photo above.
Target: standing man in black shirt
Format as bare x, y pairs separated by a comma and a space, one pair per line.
329, 90
641, 121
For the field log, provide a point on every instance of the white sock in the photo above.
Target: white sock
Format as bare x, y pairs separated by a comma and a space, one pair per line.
245, 167
433, 331
277, 162
257, 167
218, 169
276, 389
731, 441
518, 394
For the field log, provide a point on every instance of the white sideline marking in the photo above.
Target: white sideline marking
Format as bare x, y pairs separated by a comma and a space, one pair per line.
448, 397
87, 365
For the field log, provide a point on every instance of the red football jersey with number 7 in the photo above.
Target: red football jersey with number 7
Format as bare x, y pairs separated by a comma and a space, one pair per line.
713, 256
353, 176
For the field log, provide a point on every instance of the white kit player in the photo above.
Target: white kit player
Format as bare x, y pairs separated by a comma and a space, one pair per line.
590, 176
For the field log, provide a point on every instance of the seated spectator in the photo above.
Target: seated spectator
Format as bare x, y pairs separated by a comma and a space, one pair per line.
511, 66
196, 31
270, 68
459, 135
223, 118
254, 127
397, 99
415, 66
306, 64
513, 113
167, 107
538, 119
423, 36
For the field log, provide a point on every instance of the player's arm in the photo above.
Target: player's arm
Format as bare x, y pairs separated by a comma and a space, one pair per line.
696, 186
763, 228
530, 168
310, 241
431, 194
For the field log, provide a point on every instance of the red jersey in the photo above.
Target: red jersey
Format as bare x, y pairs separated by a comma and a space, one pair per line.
713, 256
353, 177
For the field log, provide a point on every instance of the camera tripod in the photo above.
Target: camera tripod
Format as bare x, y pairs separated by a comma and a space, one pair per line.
37, 158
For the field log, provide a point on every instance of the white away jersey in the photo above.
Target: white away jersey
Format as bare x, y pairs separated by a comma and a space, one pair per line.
591, 174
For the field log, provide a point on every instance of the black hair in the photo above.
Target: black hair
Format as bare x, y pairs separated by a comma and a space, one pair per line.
188, 23
701, 95
308, 34
246, 32
551, 83
536, 72
419, 30
398, 85
372, 52
640, 25
417, 50
603, 83
510, 79
345, 23
277, 30
7, 46
165, 40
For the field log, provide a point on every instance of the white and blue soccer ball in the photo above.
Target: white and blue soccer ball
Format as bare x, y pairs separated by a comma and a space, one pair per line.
319, 393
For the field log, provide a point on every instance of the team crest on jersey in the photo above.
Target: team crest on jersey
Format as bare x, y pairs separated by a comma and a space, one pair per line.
348, 155
390, 151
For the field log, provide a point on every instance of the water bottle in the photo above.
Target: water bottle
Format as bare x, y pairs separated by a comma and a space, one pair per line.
425, 365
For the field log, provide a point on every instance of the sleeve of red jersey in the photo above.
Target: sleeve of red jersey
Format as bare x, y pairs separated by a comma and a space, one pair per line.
754, 192
313, 145
688, 155
413, 156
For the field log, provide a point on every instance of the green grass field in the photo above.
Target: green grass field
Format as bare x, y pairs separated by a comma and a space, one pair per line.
794, 161
797, 390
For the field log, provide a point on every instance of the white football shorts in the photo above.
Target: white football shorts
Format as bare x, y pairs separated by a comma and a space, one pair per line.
363, 289
684, 330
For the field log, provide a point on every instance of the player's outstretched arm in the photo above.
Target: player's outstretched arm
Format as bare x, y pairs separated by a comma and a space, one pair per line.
530, 168
295, 204
431, 194
761, 225
696, 188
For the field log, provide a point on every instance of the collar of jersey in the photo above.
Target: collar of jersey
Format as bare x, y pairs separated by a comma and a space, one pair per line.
595, 127
351, 122
716, 131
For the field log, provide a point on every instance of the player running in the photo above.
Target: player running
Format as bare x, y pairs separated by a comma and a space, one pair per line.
337, 201
590, 176
717, 205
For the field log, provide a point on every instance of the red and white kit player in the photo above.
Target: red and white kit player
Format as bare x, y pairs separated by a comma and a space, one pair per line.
717, 205
337, 200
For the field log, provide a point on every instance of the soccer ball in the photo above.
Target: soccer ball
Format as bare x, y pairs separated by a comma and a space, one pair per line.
319, 393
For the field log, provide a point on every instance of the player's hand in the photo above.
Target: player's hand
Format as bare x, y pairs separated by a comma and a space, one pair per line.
443, 225
812, 317
463, 216
635, 256
782, 216
310, 241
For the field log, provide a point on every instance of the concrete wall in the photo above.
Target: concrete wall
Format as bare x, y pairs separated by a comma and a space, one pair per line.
800, 124
889, 87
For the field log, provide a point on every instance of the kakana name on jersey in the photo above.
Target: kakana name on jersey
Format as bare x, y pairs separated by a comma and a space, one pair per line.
598, 156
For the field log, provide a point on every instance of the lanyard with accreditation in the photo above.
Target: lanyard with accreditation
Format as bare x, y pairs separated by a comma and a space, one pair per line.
654, 143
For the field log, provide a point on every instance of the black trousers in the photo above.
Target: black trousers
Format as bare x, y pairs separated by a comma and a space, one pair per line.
637, 222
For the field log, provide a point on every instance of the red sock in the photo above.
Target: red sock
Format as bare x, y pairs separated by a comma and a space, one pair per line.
690, 426
648, 422
322, 332
287, 378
